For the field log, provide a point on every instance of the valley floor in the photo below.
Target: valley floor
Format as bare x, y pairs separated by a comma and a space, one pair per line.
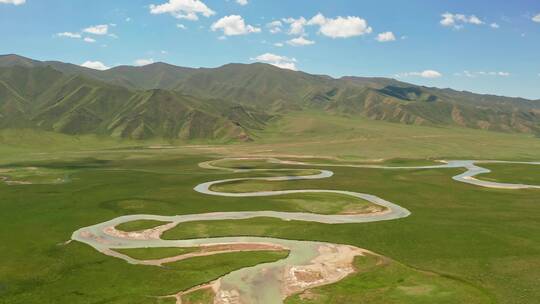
461, 244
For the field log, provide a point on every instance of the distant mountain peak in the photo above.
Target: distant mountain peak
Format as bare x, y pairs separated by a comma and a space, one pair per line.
161, 99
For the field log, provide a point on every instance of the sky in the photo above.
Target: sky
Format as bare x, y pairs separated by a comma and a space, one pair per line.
476, 45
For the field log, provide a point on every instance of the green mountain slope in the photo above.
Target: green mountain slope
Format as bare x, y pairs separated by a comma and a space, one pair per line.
229, 102
44, 98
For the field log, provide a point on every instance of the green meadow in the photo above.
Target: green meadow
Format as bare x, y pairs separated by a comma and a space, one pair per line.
462, 243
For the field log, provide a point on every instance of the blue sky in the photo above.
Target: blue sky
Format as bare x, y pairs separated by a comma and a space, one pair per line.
481, 46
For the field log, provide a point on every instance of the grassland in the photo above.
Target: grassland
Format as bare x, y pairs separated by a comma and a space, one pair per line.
512, 173
481, 240
305, 133
357, 138
327, 203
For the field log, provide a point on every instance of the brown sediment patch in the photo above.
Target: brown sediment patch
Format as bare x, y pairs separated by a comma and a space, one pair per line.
161, 147
9, 182
221, 296
334, 263
370, 210
65, 243
147, 234
91, 236
208, 250
12, 182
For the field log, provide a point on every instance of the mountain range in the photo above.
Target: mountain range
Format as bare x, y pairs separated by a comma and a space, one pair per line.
229, 102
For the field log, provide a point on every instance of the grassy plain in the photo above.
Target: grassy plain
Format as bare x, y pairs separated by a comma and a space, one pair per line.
512, 173
483, 241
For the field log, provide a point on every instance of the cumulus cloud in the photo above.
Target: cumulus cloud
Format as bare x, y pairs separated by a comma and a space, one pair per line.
96, 65
277, 60
182, 9
385, 37
234, 25
69, 35
102, 29
457, 21
15, 2
296, 26
143, 61
242, 2
300, 41
482, 73
423, 74
340, 27
278, 44
181, 26
274, 27
494, 25
536, 18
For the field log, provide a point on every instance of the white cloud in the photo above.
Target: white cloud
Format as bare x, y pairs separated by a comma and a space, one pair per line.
242, 2
274, 27
69, 35
96, 65
141, 62
385, 37
182, 9
15, 2
457, 21
278, 44
341, 27
536, 18
277, 60
296, 25
300, 41
101, 29
423, 74
181, 26
494, 25
470, 74
475, 20
234, 25
89, 40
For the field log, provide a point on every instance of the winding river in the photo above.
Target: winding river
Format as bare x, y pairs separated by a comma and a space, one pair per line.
271, 282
